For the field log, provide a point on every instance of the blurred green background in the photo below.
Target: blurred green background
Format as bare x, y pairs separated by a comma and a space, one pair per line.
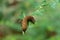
45, 12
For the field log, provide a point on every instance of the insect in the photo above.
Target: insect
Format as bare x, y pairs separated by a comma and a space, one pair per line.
25, 22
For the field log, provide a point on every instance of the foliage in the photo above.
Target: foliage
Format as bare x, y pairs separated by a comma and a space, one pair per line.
45, 12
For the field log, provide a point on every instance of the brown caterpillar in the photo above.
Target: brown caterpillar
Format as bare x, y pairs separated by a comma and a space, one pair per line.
25, 22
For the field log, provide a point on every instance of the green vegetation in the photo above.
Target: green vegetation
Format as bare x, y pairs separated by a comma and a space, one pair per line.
45, 12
